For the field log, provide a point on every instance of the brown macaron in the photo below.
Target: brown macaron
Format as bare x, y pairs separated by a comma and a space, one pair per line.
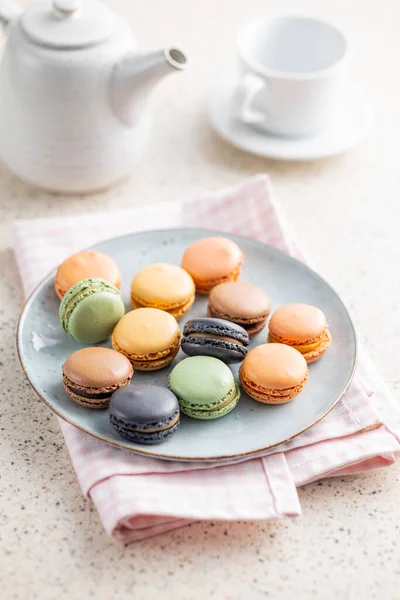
241, 303
91, 375
302, 326
273, 373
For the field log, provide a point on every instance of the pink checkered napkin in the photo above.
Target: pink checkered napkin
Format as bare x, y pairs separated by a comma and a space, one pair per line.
136, 496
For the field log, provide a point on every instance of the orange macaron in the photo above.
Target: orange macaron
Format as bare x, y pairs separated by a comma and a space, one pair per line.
211, 261
273, 373
302, 326
163, 286
84, 265
148, 337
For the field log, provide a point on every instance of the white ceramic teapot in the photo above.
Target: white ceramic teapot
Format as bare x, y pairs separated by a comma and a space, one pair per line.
73, 94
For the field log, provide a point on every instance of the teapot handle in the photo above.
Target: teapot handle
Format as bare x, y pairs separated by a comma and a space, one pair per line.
9, 11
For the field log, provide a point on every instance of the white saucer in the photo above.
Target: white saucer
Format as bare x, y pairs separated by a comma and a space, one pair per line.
348, 130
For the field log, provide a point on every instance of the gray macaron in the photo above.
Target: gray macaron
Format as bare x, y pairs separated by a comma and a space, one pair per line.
144, 413
215, 337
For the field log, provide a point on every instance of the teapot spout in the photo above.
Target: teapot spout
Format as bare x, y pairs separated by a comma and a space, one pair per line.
135, 75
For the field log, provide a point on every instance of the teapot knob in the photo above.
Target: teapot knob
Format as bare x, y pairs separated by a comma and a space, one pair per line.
66, 7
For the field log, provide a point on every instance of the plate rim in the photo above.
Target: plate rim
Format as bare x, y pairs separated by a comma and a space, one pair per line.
142, 452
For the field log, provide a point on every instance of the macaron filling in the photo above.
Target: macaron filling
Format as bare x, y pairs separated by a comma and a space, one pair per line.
176, 310
303, 348
211, 411
145, 428
252, 325
88, 396
243, 322
215, 329
312, 350
193, 337
158, 426
150, 359
286, 393
90, 393
167, 306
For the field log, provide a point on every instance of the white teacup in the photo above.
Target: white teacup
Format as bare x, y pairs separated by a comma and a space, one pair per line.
292, 75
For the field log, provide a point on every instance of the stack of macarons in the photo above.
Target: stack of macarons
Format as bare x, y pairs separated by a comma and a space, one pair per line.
88, 284
148, 338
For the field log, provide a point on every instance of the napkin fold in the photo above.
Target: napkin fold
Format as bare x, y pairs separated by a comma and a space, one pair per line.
136, 496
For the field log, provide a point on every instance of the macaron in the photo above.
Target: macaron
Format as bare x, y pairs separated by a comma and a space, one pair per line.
90, 310
163, 286
215, 337
84, 265
205, 387
91, 375
273, 373
211, 261
144, 413
149, 337
242, 303
302, 326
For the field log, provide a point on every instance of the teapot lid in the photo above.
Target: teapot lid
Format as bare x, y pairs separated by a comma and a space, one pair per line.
68, 23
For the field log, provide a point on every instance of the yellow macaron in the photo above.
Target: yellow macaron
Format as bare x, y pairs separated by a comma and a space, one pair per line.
163, 286
149, 337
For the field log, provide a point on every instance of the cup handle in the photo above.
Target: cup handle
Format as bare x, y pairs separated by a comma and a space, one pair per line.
247, 89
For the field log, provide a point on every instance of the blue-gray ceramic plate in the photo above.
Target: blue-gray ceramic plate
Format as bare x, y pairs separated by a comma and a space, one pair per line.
251, 427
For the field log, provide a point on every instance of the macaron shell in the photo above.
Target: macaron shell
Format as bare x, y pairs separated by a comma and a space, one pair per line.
274, 367
97, 367
94, 317
240, 302
297, 324
163, 286
211, 261
82, 266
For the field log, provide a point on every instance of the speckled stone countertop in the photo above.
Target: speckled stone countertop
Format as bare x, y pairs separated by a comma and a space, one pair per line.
346, 214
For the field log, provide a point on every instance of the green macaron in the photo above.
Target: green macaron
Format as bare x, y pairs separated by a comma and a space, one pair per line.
90, 310
205, 387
